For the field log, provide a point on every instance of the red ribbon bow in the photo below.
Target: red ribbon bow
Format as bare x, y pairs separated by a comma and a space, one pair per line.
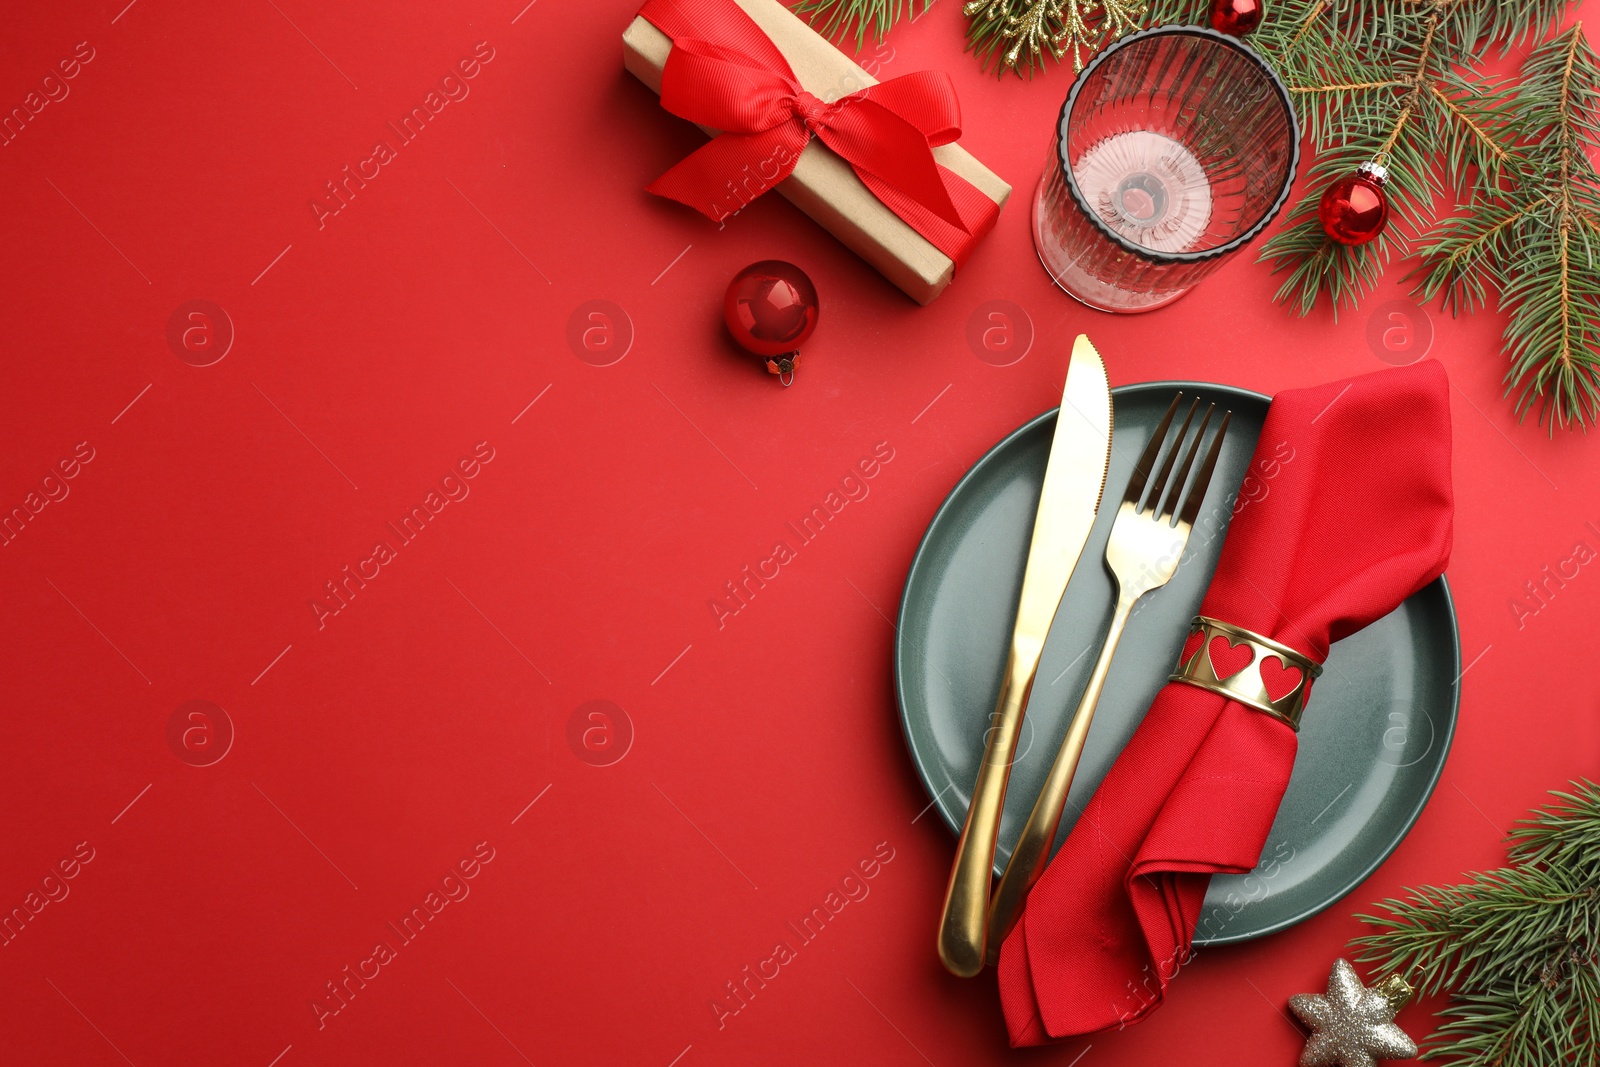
725, 73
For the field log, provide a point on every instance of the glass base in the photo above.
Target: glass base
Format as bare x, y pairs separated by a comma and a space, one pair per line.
1147, 188
1085, 288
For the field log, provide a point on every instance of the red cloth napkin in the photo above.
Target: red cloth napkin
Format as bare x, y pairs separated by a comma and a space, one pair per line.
1356, 521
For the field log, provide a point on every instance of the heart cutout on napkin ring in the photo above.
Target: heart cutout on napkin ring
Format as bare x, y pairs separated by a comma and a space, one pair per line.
1279, 677
1275, 680
1228, 657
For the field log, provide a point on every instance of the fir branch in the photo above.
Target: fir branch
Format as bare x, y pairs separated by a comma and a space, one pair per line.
1455, 269
1518, 948
1529, 233
1398, 84
1176, 12
1473, 118
1569, 831
834, 19
1398, 128
1307, 22
1555, 295
1317, 265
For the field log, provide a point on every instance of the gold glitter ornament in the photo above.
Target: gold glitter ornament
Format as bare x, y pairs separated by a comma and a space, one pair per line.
1351, 1025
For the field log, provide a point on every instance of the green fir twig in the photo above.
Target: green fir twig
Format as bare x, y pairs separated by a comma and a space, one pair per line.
834, 19
1490, 186
1532, 237
1517, 949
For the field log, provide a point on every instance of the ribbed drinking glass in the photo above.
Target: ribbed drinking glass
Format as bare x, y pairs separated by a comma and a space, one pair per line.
1176, 146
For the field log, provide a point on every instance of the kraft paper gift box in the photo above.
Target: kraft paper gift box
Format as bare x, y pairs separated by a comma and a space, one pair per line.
823, 185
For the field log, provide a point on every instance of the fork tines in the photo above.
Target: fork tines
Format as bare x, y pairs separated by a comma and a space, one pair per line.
1167, 497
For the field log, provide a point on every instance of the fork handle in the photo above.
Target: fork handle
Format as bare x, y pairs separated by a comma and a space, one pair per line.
966, 900
1032, 852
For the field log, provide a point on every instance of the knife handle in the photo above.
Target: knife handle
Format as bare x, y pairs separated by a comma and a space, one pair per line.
966, 899
1032, 853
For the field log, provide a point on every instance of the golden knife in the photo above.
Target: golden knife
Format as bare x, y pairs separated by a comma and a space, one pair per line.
1074, 478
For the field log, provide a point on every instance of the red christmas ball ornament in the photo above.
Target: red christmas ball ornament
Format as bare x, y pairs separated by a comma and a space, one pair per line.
1355, 208
1235, 17
771, 308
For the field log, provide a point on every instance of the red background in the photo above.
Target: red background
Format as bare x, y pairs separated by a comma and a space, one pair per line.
373, 754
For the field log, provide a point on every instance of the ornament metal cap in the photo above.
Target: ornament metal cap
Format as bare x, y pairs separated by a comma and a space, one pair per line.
1374, 170
1396, 990
784, 367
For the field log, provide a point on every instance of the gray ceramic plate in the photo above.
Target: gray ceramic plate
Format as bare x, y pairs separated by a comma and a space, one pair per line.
1372, 742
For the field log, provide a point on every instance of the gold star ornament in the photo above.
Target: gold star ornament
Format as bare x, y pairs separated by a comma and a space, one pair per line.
1351, 1025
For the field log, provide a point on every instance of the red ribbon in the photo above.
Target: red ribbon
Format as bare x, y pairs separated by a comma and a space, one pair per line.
725, 73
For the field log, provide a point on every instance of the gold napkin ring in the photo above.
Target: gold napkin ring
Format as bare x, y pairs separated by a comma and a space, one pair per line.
1244, 684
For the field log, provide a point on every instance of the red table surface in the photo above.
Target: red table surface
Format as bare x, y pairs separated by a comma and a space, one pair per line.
427, 725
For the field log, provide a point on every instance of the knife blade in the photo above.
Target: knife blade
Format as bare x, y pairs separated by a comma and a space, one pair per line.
1074, 479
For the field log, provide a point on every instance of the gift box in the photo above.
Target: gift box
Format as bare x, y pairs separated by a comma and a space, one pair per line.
785, 109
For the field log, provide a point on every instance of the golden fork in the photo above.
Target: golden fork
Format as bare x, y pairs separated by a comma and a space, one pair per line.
1147, 540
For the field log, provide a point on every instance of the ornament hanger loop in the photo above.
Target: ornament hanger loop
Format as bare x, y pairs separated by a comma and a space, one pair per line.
784, 367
